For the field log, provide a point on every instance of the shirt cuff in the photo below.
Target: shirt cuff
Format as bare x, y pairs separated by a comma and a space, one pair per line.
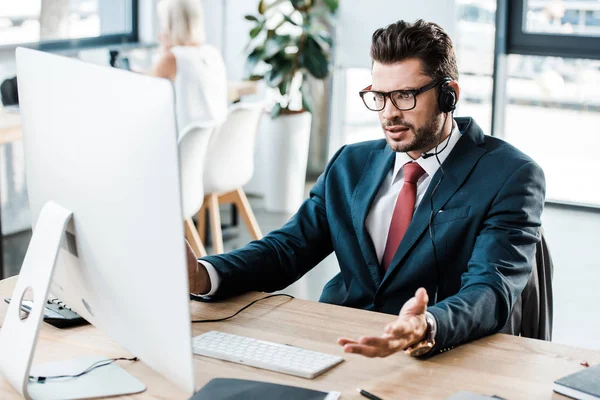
433, 324
213, 276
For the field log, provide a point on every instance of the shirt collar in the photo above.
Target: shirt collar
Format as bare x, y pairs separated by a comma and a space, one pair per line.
429, 164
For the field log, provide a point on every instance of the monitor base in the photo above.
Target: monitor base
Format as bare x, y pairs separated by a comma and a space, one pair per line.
19, 334
109, 380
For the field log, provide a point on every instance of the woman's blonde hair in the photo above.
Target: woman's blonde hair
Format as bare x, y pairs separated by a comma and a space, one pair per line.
182, 21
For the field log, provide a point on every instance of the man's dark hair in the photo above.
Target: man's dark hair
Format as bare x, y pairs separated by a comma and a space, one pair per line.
426, 41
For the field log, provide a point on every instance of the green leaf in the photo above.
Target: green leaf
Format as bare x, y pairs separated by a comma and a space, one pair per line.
288, 19
263, 8
284, 85
253, 59
323, 44
279, 70
276, 44
306, 97
251, 18
314, 59
324, 36
332, 5
256, 30
299, 4
275, 110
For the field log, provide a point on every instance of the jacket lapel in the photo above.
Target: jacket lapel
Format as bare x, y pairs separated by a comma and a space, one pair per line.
376, 169
457, 167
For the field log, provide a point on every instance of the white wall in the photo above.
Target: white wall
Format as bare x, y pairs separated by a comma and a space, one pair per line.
227, 29
357, 20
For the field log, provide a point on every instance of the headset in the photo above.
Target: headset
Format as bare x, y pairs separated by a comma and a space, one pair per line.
446, 96
447, 105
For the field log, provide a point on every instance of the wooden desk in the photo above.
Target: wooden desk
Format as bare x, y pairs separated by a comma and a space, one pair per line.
507, 366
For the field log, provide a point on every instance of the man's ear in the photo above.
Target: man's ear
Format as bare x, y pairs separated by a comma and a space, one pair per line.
456, 87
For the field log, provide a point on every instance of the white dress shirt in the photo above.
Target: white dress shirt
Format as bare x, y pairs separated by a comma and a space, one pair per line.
380, 216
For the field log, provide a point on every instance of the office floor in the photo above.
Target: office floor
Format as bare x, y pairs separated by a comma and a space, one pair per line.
572, 238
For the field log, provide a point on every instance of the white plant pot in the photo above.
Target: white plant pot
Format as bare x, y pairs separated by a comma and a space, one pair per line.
286, 140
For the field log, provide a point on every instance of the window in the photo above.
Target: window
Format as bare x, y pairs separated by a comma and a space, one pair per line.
564, 28
552, 114
546, 84
474, 43
473, 38
56, 24
563, 17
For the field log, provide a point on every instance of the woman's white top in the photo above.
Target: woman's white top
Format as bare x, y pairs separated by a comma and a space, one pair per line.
200, 85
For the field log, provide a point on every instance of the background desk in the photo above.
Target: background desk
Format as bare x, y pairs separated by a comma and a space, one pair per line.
10, 122
10, 128
507, 366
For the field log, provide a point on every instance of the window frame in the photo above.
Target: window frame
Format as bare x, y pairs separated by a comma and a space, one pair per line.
522, 42
89, 42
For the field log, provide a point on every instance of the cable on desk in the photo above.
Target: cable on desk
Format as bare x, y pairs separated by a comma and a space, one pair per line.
97, 364
243, 308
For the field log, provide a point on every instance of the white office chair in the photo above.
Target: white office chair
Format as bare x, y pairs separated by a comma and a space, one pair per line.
229, 166
193, 143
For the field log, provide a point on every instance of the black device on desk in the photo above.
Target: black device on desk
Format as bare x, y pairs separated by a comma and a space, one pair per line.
56, 313
118, 61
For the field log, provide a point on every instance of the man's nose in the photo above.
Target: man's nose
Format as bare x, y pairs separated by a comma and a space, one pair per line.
390, 111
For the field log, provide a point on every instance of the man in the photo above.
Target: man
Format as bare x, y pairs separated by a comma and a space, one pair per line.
449, 248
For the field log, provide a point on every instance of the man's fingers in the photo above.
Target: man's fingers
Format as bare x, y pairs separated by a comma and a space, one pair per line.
343, 341
422, 299
415, 305
374, 341
367, 351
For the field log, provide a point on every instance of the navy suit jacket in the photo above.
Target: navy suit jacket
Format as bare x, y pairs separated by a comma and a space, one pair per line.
487, 212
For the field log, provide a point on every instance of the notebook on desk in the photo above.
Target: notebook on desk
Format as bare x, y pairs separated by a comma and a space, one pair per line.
582, 385
240, 389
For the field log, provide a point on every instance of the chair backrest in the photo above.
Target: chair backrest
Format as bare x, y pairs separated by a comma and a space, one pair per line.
193, 145
230, 158
532, 314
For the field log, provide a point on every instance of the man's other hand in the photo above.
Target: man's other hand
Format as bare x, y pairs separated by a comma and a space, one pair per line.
197, 274
409, 328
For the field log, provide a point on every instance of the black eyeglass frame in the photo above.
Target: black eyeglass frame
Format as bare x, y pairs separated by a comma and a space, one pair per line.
414, 92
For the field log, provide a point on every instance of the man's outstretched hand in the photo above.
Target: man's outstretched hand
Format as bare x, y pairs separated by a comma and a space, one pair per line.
409, 328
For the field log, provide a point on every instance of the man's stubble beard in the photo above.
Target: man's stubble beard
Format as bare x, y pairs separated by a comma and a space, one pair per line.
425, 138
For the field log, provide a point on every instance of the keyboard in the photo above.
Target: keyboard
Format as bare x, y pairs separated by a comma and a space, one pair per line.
266, 355
56, 313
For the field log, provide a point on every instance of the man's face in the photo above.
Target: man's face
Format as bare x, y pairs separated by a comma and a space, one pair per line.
414, 131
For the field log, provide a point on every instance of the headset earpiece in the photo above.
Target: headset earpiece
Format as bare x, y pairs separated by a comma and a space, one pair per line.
446, 97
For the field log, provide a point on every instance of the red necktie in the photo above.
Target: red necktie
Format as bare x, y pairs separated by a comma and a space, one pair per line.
403, 211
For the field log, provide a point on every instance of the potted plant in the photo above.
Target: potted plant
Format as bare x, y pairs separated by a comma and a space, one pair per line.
289, 45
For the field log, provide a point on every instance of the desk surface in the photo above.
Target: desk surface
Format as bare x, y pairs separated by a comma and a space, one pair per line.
10, 122
502, 365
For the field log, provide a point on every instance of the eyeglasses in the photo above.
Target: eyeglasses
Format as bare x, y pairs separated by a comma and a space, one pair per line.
403, 100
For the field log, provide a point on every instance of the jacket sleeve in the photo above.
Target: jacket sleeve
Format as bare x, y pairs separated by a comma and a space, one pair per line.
284, 255
500, 264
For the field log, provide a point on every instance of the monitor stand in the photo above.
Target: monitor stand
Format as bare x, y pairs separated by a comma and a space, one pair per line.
19, 333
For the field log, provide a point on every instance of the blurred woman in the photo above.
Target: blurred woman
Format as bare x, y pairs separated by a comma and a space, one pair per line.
196, 68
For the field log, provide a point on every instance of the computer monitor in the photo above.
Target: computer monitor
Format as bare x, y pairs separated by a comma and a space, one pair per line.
102, 143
